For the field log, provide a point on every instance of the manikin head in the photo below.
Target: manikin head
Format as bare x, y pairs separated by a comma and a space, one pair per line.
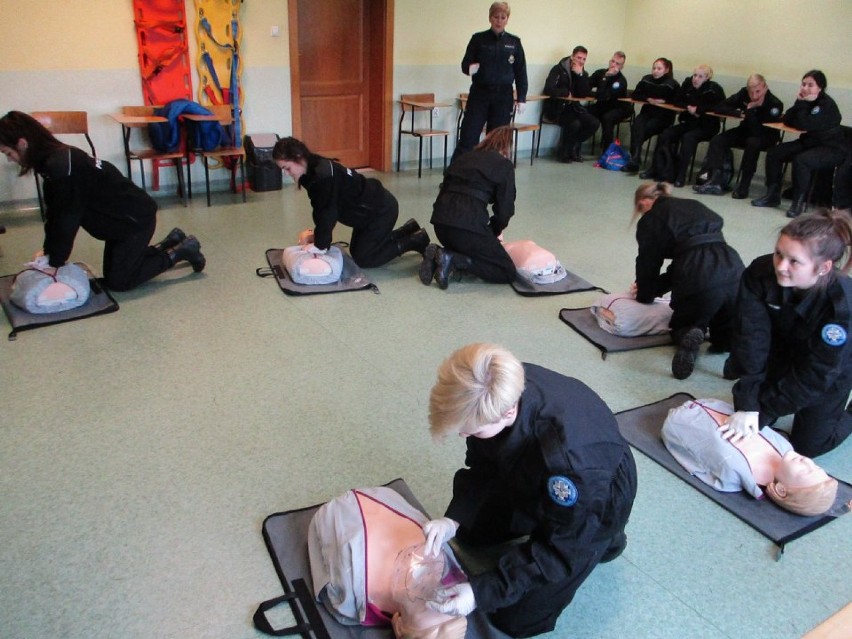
476, 393
801, 486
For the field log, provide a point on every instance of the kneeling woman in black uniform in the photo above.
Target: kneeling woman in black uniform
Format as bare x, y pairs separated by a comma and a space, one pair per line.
791, 349
340, 194
471, 240
84, 192
703, 276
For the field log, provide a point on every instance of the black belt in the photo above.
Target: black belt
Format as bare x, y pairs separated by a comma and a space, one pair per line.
463, 189
699, 240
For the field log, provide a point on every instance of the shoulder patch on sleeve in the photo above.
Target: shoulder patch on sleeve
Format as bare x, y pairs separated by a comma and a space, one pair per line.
562, 491
834, 335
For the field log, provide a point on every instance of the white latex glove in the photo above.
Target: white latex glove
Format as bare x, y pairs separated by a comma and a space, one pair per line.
520, 107
40, 261
455, 600
310, 248
438, 532
473, 68
741, 425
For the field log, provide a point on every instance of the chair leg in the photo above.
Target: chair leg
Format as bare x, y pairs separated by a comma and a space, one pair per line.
445, 152
398, 149
181, 188
243, 177
207, 178
532, 144
515, 148
420, 159
189, 175
142, 173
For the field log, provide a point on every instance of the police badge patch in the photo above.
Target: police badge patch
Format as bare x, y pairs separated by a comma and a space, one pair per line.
833, 335
774, 110
815, 110
562, 490
511, 59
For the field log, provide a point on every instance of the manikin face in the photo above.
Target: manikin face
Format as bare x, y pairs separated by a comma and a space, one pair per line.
796, 471
14, 153
294, 168
498, 21
658, 70
699, 77
794, 266
756, 90
486, 431
809, 88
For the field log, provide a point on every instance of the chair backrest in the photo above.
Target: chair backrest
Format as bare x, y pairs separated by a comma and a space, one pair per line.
138, 110
222, 111
63, 122
416, 97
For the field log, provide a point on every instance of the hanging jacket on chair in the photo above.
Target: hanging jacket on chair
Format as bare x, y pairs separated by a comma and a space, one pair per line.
165, 136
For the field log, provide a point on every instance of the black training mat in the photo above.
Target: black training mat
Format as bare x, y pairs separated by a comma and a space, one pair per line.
582, 321
571, 283
642, 428
286, 537
352, 277
99, 302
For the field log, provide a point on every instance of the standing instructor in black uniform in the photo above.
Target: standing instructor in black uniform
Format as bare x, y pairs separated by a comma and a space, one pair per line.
545, 462
494, 59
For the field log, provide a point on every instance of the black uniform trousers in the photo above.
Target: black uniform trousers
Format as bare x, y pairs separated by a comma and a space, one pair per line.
646, 125
610, 114
713, 309
805, 160
373, 244
671, 161
130, 261
578, 125
739, 137
488, 259
822, 427
538, 610
488, 107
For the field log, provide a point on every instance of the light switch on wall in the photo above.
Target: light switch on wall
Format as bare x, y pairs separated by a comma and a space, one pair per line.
275, 31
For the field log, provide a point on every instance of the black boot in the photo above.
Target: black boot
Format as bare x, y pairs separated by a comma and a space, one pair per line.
771, 198
741, 192
417, 241
427, 266
411, 226
175, 237
446, 263
713, 186
800, 203
688, 344
190, 250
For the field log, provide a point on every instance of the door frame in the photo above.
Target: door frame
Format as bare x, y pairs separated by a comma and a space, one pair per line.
380, 59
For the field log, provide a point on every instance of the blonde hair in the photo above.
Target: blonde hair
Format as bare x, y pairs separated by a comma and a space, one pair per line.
476, 385
651, 190
809, 501
499, 139
499, 6
706, 69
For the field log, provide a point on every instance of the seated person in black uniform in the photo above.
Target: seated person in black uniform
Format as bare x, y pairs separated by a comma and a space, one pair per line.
821, 146
341, 194
569, 78
546, 466
88, 193
470, 237
494, 59
792, 353
609, 85
658, 87
755, 104
677, 144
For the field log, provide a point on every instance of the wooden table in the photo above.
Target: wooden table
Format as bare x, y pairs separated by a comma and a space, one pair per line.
662, 105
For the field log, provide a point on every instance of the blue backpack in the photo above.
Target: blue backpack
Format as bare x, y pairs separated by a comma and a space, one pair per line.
165, 136
614, 157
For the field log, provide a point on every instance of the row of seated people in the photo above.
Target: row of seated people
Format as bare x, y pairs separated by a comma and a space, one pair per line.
683, 115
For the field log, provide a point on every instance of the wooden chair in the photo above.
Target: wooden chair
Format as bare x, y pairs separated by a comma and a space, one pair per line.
230, 156
62, 123
542, 120
408, 105
148, 153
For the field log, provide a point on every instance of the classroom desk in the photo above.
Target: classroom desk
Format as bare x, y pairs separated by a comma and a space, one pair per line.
425, 105
724, 117
662, 105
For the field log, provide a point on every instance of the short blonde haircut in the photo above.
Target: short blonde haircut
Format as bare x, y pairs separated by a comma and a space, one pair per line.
652, 190
499, 6
706, 69
809, 502
476, 385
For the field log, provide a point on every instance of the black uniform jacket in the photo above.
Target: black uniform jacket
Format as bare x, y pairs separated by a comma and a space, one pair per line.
340, 194
608, 88
689, 234
501, 61
473, 181
820, 119
772, 110
80, 191
665, 88
562, 82
790, 351
705, 98
563, 430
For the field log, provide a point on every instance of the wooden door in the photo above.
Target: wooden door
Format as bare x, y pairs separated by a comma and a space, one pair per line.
340, 54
